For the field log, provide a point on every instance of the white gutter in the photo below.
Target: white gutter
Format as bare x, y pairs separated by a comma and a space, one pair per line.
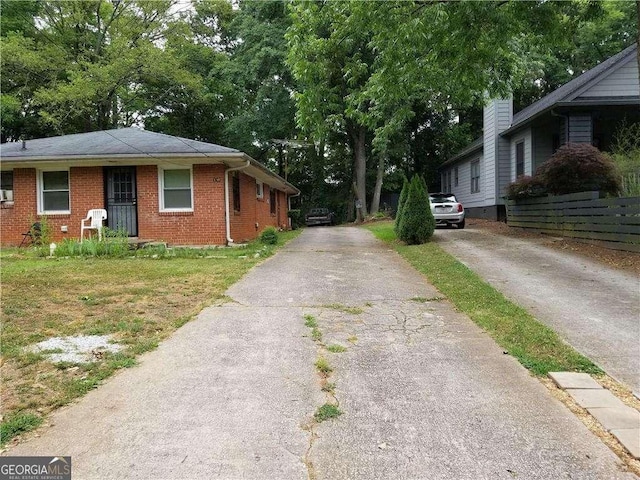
227, 217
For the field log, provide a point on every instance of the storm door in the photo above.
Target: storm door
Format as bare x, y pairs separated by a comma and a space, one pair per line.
122, 211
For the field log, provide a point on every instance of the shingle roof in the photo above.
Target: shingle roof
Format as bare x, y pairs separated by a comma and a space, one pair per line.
477, 144
562, 94
568, 89
123, 141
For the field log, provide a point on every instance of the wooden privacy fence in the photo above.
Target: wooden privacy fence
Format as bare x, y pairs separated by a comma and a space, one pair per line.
614, 222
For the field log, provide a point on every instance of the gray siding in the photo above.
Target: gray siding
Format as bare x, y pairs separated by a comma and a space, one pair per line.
580, 129
504, 167
623, 82
497, 116
463, 190
524, 136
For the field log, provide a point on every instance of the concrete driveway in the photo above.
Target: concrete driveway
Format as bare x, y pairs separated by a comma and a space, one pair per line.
594, 308
425, 393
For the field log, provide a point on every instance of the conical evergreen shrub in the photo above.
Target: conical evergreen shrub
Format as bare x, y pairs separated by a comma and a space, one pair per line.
417, 223
401, 201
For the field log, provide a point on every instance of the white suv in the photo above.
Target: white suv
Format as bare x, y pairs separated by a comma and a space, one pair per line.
446, 209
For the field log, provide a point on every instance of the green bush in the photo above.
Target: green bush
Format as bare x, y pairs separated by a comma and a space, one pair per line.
526, 187
297, 219
579, 167
417, 223
269, 236
401, 201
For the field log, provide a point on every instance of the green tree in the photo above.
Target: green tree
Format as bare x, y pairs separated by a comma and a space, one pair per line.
92, 64
401, 201
417, 223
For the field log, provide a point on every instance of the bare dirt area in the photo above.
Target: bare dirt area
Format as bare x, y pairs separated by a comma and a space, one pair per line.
619, 259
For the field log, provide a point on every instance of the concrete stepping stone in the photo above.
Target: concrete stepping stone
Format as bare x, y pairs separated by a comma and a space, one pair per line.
595, 398
630, 438
566, 380
621, 421
616, 418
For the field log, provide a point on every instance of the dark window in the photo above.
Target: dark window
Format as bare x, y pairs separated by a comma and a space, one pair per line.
6, 180
273, 198
456, 177
236, 191
6, 186
475, 176
54, 188
519, 159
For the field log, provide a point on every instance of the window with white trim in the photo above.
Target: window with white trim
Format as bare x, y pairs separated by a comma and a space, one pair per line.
475, 176
6, 186
259, 189
176, 189
53, 191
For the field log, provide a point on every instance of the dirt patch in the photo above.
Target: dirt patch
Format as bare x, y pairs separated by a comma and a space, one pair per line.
621, 260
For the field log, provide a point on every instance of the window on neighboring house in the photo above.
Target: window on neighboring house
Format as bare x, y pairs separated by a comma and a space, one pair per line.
236, 191
176, 188
6, 186
259, 189
449, 181
475, 176
273, 199
53, 192
456, 178
519, 159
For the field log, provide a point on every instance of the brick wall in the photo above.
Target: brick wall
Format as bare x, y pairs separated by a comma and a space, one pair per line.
204, 226
17, 218
255, 213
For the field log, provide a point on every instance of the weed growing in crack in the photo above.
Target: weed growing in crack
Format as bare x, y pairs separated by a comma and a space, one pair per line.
335, 348
425, 299
310, 321
316, 334
352, 339
345, 308
329, 387
323, 366
326, 412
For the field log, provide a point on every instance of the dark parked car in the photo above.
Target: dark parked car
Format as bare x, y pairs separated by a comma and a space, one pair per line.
319, 216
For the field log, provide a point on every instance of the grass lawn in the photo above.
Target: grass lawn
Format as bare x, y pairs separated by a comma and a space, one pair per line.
536, 346
140, 301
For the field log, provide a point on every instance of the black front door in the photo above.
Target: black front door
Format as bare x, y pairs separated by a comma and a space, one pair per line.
122, 212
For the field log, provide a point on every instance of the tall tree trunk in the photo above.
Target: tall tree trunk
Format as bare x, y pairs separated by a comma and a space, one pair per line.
360, 152
377, 191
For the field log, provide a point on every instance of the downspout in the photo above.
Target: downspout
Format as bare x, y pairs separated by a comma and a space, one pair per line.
226, 198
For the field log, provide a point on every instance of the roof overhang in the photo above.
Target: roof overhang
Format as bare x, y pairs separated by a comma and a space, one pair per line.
476, 146
586, 102
230, 160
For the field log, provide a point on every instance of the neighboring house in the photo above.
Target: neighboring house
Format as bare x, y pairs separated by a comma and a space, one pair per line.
156, 187
588, 109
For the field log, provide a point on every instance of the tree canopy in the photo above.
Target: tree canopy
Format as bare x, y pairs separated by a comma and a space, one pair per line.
349, 96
